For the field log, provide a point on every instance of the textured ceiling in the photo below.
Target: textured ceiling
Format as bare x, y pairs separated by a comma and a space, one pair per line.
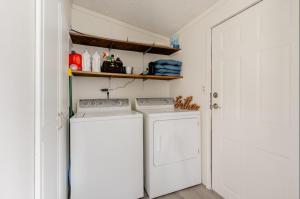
163, 17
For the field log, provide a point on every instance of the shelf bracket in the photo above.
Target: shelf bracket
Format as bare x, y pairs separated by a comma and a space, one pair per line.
149, 48
110, 46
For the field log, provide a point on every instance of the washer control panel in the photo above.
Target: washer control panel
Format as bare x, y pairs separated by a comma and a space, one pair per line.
86, 105
142, 103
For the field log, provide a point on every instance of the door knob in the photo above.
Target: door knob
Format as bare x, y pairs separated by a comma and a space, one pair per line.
215, 95
214, 106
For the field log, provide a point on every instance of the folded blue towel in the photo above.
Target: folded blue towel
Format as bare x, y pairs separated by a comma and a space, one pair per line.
167, 67
168, 62
166, 74
167, 71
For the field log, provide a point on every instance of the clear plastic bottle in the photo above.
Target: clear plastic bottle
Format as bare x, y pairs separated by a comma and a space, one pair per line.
86, 61
96, 62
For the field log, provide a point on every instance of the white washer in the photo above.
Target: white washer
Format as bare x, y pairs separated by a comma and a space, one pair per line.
172, 150
106, 150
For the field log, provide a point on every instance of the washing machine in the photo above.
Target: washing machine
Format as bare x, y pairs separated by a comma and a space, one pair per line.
172, 146
106, 150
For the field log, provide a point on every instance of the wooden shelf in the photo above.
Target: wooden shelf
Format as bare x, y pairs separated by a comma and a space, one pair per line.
120, 75
90, 40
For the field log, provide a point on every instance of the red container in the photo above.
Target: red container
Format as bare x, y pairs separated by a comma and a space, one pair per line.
75, 61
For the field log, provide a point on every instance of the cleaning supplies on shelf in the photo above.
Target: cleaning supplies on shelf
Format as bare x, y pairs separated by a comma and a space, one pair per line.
86, 61
75, 61
174, 41
105, 55
112, 64
96, 62
128, 69
166, 67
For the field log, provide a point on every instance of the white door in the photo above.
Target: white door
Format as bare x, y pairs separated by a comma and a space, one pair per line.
255, 133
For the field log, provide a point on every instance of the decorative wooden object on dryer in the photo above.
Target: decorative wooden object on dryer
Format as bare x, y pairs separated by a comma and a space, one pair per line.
186, 103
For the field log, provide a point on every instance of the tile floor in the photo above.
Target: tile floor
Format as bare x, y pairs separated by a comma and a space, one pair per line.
196, 192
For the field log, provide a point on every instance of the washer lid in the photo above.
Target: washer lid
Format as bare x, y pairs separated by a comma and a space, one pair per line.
96, 116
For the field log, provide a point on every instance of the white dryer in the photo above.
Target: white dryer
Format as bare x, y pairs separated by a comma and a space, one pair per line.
172, 150
106, 150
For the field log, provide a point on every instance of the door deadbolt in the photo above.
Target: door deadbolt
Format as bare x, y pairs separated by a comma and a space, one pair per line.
215, 95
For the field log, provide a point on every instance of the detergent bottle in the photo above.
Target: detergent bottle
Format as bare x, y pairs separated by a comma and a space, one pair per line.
86, 61
96, 62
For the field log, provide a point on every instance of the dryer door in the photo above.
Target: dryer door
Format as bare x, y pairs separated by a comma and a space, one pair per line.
176, 140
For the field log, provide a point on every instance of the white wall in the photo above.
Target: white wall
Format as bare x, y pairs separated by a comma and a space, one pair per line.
195, 40
93, 23
17, 100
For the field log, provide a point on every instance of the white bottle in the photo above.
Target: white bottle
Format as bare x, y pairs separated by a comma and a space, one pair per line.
96, 62
86, 61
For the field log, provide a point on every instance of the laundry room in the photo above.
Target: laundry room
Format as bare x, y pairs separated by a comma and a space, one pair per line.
136, 99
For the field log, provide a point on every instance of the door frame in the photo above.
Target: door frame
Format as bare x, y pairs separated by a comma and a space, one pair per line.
39, 12
210, 143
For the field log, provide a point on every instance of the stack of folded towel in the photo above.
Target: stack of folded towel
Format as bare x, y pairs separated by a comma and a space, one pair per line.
165, 67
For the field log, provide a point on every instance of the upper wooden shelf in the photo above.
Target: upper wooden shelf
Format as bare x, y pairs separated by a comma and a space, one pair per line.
121, 75
90, 40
